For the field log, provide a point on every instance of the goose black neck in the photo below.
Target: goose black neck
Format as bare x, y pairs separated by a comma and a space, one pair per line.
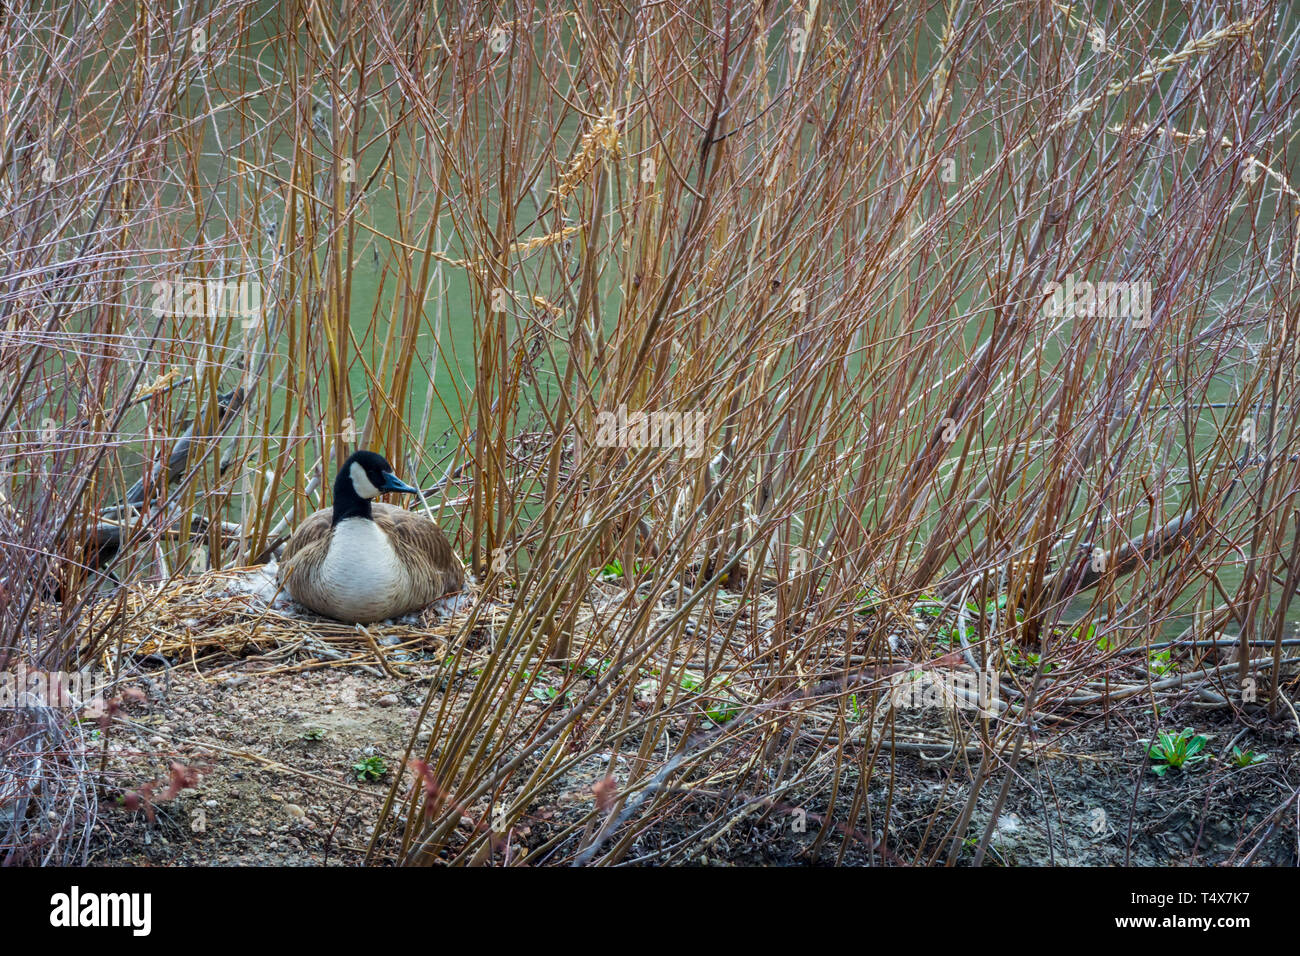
347, 503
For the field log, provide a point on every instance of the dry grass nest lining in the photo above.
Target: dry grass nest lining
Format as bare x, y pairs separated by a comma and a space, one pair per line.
236, 617
221, 619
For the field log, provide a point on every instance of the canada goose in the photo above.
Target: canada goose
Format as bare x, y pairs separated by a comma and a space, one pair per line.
360, 562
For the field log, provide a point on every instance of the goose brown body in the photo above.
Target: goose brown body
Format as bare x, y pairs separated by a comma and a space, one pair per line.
372, 561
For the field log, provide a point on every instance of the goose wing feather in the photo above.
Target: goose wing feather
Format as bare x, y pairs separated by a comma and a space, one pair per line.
304, 552
316, 528
423, 550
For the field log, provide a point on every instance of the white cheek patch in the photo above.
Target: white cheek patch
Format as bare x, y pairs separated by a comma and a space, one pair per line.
362, 483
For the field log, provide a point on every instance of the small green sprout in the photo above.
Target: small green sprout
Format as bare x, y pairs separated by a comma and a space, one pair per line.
717, 710
999, 605
867, 601
930, 604
614, 569
591, 667
1246, 758
546, 693
1180, 750
1161, 663
313, 734
720, 711
370, 769
1027, 659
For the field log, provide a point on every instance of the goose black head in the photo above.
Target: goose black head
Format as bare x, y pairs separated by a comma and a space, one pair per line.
363, 476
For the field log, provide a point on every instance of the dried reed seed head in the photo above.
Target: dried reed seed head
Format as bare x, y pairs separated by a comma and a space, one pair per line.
600, 140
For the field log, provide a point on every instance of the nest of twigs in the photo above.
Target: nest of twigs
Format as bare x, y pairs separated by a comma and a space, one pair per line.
220, 619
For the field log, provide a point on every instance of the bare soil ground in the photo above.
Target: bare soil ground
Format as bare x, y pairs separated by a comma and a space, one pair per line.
276, 784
